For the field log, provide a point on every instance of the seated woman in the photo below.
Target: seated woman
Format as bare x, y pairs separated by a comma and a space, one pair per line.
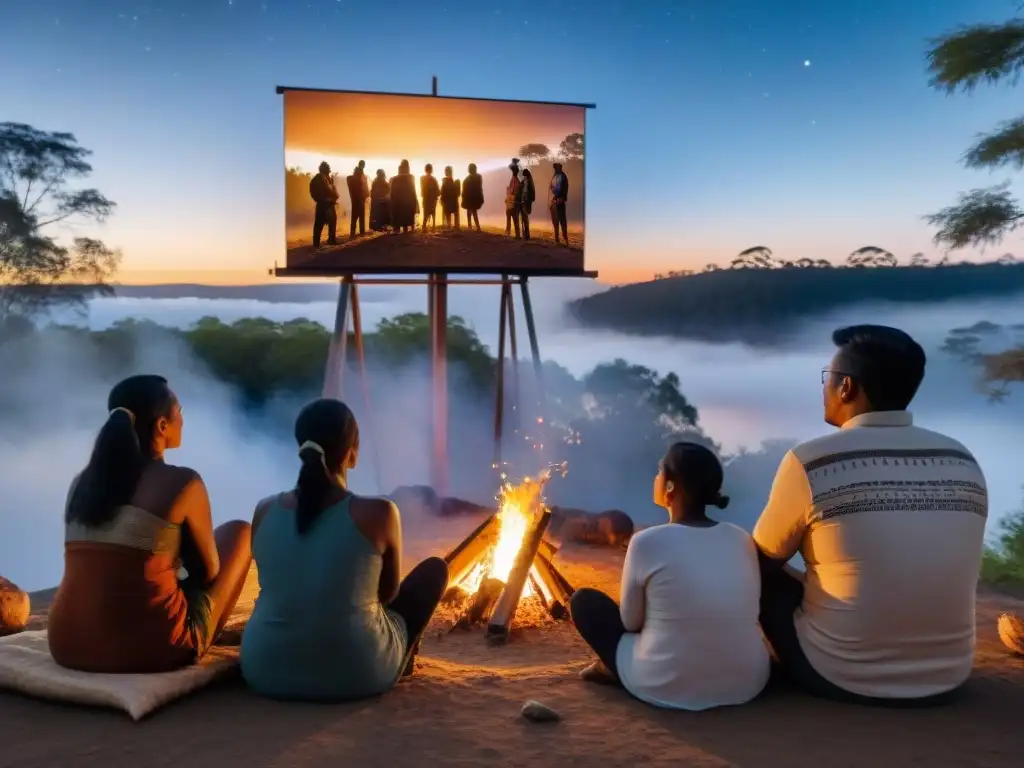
686, 635
332, 622
131, 522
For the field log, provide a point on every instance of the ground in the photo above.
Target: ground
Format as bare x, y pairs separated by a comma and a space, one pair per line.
461, 708
489, 250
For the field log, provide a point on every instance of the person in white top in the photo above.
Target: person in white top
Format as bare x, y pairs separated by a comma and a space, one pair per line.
686, 634
890, 521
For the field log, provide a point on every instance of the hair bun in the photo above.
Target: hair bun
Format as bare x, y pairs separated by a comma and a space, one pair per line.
721, 501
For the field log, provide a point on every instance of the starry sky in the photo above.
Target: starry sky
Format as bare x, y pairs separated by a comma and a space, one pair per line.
805, 125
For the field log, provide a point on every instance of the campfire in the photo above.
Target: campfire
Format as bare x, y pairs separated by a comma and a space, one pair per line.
507, 559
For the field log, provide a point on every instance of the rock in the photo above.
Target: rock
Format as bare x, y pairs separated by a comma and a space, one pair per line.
610, 528
416, 499
452, 507
14, 607
536, 712
1011, 632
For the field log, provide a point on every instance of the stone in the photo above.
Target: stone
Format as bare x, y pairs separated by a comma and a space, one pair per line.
536, 712
14, 607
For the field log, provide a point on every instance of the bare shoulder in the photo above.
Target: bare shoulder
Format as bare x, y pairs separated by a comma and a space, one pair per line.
374, 506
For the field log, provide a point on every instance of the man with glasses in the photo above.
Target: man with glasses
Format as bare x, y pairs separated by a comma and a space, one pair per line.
890, 520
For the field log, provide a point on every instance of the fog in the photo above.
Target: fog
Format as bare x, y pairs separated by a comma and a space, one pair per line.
53, 401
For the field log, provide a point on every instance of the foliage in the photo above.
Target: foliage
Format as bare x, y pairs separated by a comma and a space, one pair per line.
998, 369
571, 147
37, 172
963, 60
979, 217
534, 153
1003, 561
871, 256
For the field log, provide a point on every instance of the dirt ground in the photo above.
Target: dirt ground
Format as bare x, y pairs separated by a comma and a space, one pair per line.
461, 708
489, 250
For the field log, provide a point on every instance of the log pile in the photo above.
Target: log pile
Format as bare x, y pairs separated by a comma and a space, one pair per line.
495, 602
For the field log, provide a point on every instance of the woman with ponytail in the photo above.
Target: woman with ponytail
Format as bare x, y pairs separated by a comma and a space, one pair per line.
686, 635
333, 621
132, 522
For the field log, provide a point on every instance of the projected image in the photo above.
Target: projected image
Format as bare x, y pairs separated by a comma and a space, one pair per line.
422, 183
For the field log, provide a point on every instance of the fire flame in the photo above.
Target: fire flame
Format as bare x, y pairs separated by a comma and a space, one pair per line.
520, 506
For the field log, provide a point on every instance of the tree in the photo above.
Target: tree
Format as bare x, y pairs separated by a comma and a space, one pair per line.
571, 147
871, 256
758, 257
533, 154
919, 260
961, 61
1007, 259
37, 172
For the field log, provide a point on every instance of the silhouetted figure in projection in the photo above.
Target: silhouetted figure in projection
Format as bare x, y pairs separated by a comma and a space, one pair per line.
558, 194
527, 194
512, 199
473, 196
430, 191
325, 195
450, 191
358, 192
404, 203
380, 202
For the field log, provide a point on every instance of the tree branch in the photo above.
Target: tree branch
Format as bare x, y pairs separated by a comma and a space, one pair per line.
1004, 146
980, 217
982, 52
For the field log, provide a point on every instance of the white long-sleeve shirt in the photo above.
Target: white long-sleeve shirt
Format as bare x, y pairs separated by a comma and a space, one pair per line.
690, 600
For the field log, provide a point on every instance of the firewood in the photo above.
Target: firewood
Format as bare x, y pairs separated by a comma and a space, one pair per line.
505, 610
556, 583
482, 604
464, 557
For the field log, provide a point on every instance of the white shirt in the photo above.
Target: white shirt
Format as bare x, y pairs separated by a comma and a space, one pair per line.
890, 521
690, 603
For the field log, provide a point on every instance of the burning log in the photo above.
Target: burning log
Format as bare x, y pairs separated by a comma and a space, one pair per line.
465, 556
483, 602
555, 585
505, 609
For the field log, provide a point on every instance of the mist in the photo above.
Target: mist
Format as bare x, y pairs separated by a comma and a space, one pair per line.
53, 400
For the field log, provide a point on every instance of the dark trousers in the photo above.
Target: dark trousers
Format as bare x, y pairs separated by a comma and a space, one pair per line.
525, 216
358, 215
781, 595
473, 217
325, 214
511, 218
418, 596
596, 617
558, 220
430, 214
450, 216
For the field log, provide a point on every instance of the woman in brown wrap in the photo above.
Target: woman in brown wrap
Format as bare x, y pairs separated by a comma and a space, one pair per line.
132, 522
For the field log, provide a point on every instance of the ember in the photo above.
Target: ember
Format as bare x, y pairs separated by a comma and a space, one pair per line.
507, 558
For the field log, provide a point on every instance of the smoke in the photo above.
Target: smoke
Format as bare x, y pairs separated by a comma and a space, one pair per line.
54, 388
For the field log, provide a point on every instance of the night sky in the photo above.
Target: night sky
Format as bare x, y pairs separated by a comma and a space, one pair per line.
805, 125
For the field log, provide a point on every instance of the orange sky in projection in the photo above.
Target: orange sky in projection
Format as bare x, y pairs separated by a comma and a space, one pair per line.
374, 125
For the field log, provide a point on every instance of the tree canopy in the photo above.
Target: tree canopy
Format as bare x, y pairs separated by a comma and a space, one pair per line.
38, 174
961, 61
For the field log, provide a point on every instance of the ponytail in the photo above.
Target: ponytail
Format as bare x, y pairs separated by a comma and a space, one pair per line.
720, 500
312, 486
112, 474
